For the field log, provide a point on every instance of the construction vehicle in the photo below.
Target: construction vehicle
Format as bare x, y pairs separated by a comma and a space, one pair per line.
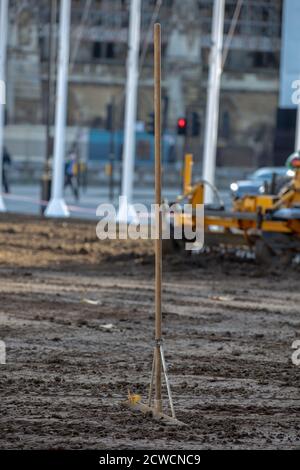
267, 224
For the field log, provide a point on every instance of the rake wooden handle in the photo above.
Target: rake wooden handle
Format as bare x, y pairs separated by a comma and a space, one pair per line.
158, 221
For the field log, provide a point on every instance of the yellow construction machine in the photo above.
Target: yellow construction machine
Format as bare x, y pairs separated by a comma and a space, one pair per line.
267, 224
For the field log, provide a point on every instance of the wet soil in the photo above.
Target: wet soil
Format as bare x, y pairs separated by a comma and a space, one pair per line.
77, 316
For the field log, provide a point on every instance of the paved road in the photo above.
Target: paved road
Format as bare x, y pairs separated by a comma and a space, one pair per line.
25, 199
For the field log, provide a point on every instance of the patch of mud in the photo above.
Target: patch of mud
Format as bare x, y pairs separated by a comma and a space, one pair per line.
228, 328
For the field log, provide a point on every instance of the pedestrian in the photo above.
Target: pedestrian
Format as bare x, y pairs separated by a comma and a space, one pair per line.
71, 172
6, 164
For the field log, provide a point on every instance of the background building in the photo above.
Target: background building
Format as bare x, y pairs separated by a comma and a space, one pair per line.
249, 94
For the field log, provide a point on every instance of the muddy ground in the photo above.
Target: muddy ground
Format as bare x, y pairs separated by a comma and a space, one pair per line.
77, 318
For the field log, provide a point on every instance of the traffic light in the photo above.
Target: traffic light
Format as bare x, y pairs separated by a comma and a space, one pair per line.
150, 124
181, 126
196, 126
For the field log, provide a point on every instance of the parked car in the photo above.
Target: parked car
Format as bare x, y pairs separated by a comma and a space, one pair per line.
258, 181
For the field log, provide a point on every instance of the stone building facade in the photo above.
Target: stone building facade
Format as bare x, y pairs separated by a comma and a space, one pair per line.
249, 94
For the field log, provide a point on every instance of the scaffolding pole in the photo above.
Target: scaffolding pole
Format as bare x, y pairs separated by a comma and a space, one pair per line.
57, 206
126, 210
213, 96
3, 51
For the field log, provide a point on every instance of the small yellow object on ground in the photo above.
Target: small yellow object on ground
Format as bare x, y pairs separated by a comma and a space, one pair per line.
133, 398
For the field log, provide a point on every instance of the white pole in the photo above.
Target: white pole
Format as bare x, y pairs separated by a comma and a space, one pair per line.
297, 137
126, 211
3, 50
57, 206
213, 96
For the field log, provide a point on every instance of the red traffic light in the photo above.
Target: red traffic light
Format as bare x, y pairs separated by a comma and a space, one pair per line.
181, 123
181, 126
